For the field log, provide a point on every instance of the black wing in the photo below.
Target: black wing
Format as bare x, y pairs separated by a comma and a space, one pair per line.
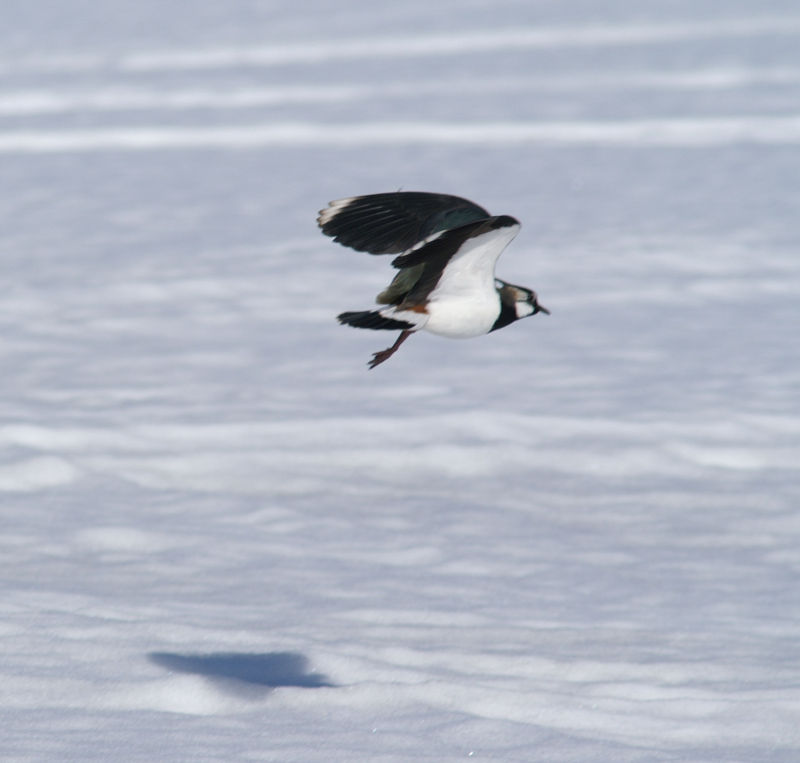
389, 223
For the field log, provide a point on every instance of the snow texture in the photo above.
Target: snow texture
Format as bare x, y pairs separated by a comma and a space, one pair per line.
575, 539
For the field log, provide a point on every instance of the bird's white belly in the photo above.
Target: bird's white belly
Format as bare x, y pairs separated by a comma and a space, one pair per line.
461, 318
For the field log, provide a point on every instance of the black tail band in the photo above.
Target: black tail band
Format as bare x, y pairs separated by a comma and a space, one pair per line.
371, 319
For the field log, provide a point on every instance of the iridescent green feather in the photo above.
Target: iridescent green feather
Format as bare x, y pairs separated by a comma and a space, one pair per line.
401, 284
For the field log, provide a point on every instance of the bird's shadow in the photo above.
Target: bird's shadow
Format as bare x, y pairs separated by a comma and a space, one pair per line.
245, 674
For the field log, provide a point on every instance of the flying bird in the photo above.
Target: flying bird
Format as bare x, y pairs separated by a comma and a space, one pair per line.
447, 248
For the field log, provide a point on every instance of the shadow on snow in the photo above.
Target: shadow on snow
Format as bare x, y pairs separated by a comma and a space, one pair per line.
245, 673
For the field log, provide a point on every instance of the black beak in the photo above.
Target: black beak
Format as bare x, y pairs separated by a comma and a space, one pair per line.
537, 308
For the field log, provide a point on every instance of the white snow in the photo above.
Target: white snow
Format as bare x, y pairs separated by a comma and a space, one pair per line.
575, 539
651, 132
522, 35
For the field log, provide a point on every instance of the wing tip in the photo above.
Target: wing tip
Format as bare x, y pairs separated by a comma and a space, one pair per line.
503, 221
333, 210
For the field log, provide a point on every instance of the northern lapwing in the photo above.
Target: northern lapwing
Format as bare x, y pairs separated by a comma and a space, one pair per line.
447, 249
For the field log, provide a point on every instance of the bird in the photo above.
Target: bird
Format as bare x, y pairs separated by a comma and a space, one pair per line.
446, 249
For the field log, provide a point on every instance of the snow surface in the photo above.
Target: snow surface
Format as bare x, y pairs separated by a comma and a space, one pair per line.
225, 539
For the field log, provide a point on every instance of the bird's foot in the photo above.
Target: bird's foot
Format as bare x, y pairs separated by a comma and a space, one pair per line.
383, 355
380, 357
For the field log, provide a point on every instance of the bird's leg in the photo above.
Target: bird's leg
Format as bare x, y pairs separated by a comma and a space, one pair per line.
379, 357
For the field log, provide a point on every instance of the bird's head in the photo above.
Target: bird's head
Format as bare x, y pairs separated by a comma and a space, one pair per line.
524, 300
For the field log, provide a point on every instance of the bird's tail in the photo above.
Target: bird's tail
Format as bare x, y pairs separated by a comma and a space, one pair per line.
372, 319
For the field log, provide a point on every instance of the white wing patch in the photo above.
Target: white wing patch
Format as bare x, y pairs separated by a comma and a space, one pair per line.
465, 302
471, 269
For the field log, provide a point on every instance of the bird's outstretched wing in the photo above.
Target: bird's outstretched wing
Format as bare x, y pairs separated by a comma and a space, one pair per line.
457, 261
391, 223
